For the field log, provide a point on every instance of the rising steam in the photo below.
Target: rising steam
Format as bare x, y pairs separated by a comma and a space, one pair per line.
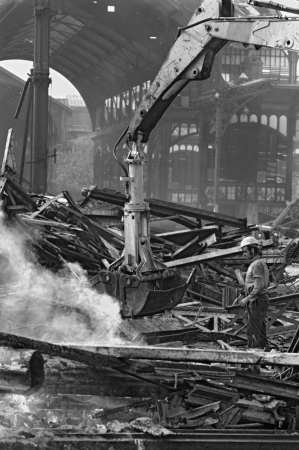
55, 307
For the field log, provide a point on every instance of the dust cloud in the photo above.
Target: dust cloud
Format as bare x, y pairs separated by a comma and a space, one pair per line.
54, 307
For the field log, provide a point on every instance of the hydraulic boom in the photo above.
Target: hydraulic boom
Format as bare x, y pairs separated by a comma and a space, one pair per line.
139, 280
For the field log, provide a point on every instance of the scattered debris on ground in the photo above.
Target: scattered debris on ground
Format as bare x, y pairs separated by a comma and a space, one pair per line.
187, 368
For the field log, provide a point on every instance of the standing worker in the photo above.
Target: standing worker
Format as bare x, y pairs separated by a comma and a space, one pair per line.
256, 297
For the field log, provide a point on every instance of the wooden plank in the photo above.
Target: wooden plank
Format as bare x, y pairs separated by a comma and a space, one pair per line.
285, 318
190, 322
45, 205
286, 298
211, 256
11, 197
189, 223
285, 213
277, 260
8, 152
20, 194
97, 229
222, 271
17, 208
189, 249
2, 185
276, 315
216, 254
204, 297
264, 385
277, 331
47, 223
183, 237
63, 351
198, 355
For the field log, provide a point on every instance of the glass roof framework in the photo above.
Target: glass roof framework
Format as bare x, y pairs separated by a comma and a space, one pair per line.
100, 52
63, 29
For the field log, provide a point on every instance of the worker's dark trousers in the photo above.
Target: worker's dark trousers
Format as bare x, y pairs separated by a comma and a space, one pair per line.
257, 322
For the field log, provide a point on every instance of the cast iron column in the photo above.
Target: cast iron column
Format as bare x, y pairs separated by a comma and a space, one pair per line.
218, 136
41, 83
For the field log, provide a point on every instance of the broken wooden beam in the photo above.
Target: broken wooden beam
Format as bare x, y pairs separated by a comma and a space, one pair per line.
63, 351
213, 255
222, 271
183, 237
164, 208
197, 355
205, 257
282, 389
204, 298
58, 376
20, 194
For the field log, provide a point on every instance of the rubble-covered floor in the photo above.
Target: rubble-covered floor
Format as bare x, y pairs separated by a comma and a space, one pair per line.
60, 386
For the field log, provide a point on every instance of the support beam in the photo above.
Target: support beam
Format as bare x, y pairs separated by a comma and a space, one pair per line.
198, 355
218, 138
64, 351
205, 257
162, 208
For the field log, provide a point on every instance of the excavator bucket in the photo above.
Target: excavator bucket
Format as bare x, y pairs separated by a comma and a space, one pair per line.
152, 297
138, 297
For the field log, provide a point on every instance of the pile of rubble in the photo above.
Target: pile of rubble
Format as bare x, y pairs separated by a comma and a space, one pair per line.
163, 377
109, 394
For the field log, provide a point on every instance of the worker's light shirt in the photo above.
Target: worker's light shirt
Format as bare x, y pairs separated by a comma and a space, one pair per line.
257, 279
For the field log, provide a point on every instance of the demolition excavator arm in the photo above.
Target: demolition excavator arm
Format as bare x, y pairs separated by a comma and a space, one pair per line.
192, 54
142, 282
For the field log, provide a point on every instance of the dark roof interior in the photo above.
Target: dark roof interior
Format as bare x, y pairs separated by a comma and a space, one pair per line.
99, 52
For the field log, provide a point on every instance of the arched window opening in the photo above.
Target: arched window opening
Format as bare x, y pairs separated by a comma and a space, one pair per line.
253, 118
243, 118
184, 129
273, 122
176, 132
283, 125
193, 128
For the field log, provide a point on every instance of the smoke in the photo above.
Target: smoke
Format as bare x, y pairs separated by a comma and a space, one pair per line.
55, 307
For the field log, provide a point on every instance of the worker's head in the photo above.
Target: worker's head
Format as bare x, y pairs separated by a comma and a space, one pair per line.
250, 247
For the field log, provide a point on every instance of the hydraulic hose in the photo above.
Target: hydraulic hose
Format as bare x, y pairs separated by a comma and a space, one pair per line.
114, 153
121, 164
192, 25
